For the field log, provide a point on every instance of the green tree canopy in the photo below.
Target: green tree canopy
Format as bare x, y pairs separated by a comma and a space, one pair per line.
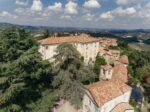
141, 72
46, 34
70, 74
23, 74
98, 62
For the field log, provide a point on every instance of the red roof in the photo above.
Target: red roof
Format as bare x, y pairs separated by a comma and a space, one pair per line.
114, 51
108, 41
124, 59
104, 91
120, 72
83, 38
122, 107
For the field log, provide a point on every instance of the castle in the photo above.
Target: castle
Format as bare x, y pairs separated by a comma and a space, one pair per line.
111, 93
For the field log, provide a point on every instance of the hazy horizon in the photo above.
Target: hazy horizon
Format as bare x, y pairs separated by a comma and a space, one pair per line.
74, 27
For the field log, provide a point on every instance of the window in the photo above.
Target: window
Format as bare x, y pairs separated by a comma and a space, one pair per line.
86, 46
95, 44
46, 47
89, 102
77, 45
97, 110
86, 55
109, 72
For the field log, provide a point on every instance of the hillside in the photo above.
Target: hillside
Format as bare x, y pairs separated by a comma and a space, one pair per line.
39, 29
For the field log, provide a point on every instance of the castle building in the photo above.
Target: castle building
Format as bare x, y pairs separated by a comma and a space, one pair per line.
87, 46
111, 93
107, 96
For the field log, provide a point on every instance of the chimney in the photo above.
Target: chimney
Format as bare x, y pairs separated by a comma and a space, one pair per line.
106, 72
55, 34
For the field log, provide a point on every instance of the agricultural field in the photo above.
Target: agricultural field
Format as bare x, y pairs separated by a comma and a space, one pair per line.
140, 47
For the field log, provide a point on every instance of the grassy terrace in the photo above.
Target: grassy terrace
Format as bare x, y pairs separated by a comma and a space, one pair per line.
140, 47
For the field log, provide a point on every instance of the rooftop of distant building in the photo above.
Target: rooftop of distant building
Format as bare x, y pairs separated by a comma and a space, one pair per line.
104, 91
83, 38
124, 59
120, 72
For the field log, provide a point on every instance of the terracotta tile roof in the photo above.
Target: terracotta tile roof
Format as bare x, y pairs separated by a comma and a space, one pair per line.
102, 52
83, 38
120, 72
122, 107
114, 51
104, 91
124, 59
108, 41
107, 67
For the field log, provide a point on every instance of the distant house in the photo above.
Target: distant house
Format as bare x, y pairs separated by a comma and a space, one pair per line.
106, 96
115, 54
110, 56
86, 45
111, 94
124, 59
106, 42
106, 72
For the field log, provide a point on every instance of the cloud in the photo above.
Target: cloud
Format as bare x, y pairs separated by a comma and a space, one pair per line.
118, 12
21, 2
107, 16
56, 7
130, 10
19, 10
65, 17
91, 4
122, 2
144, 12
37, 5
127, 2
147, 5
71, 8
6, 14
28, 13
89, 17
121, 12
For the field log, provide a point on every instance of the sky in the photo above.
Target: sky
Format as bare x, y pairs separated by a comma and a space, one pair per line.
105, 14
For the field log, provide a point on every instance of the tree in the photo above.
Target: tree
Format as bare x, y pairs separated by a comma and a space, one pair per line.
11, 40
141, 72
23, 74
46, 34
122, 43
130, 70
70, 73
98, 62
